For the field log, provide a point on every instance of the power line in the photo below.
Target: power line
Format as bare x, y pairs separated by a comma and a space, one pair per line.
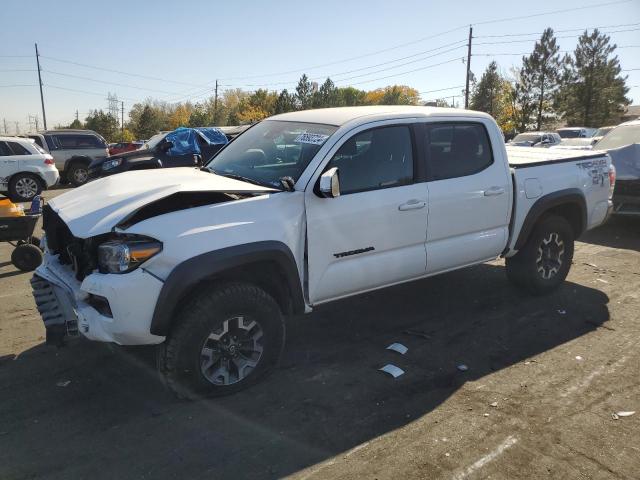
147, 77
18, 85
557, 31
109, 83
442, 90
408, 71
17, 70
564, 10
87, 92
529, 53
562, 36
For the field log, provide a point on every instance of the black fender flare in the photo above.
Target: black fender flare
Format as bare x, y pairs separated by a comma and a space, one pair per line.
184, 277
569, 196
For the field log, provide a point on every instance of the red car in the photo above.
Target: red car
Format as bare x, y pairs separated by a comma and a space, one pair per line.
116, 148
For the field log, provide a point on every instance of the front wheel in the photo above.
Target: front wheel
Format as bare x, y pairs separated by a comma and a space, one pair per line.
544, 261
225, 339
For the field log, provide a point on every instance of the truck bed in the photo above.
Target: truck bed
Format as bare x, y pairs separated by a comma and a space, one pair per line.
523, 157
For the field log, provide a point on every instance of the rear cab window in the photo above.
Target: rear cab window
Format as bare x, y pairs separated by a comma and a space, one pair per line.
456, 149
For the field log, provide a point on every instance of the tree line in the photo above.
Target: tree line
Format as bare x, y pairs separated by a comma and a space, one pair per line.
583, 88
239, 107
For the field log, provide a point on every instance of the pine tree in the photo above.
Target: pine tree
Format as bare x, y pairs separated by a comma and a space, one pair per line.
486, 94
304, 94
285, 102
592, 93
541, 70
521, 99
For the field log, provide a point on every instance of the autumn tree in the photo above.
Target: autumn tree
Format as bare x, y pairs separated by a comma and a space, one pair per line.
351, 96
593, 93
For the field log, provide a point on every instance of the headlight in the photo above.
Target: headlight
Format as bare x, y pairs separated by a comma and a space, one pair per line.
113, 163
122, 256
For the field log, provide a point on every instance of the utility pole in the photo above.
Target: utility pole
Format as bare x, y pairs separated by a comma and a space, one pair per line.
77, 114
44, 115
17, 128
122, 122
37, 127
215, 106
6, 132
466, 90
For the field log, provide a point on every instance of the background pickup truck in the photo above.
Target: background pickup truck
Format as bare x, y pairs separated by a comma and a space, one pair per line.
302, 209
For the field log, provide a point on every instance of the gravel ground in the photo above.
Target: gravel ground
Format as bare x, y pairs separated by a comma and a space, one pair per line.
544, 377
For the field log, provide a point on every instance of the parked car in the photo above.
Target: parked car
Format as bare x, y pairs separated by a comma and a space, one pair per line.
622, 143
302, 209
182, 147
25, 169
535, 139
122, 147
576, 132
601, 132
73, 152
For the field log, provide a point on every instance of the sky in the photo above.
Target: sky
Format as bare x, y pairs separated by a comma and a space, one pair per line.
185, 46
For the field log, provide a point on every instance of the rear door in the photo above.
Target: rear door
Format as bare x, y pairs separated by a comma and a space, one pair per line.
469, 194
373, 234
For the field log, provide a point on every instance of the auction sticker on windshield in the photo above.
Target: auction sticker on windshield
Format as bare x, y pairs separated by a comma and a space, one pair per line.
311, 138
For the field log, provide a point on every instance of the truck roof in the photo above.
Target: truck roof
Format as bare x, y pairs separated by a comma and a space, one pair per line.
342, 115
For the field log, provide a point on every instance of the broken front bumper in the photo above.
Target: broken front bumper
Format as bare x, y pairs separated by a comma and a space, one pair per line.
68, 307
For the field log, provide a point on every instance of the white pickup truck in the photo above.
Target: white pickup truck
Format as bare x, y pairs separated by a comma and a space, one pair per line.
301, 209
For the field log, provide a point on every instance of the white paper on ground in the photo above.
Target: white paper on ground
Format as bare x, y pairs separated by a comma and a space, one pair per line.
392, 370
398, 347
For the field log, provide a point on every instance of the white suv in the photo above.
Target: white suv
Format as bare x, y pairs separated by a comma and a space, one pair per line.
25, 168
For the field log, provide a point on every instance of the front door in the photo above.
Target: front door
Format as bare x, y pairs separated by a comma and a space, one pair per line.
374, 233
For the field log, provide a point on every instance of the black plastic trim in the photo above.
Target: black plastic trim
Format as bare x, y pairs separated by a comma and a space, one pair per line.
559, 160
183, 279
547, 202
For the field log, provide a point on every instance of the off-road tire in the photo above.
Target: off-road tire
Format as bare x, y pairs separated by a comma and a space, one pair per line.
26, 257
16, 193
72, 173
523, 268
179, 357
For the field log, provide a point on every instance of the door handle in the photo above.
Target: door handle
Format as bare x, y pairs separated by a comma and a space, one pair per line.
412, 205
494, 191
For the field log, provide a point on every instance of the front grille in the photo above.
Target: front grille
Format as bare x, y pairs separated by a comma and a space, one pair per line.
78, 253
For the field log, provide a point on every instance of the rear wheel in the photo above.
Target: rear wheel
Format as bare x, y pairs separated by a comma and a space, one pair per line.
24, 186
544, 262
226, 338
78, 174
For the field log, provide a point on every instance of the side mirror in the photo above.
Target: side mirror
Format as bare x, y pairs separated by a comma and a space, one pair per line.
330, 183
546, 141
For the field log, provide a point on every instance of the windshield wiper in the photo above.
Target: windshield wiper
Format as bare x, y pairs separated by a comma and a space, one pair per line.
235, 176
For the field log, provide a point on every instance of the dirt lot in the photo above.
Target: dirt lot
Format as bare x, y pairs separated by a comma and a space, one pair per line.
557, 368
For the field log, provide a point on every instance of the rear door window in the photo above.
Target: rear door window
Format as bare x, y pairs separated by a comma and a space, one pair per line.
457, 150
18, 149
4, 150
78, 141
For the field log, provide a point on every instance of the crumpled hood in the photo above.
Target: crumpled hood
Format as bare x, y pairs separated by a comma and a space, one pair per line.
98, 206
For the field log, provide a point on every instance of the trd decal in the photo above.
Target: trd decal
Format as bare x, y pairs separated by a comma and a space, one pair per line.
353, 252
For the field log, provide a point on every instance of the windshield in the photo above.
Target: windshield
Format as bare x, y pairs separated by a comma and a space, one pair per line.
601, 132
528, 137
569, 133
153, 141
271, 150
619, 137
